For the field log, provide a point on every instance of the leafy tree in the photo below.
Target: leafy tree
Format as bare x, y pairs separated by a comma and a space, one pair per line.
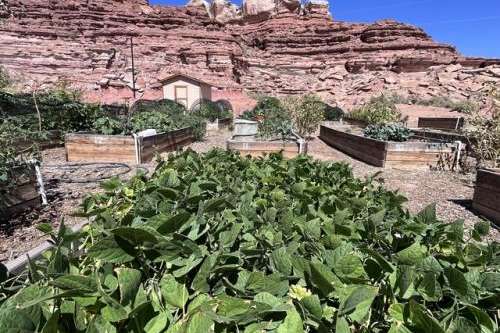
307, 112
379, 110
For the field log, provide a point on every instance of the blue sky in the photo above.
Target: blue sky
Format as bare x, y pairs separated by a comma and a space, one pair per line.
472, 26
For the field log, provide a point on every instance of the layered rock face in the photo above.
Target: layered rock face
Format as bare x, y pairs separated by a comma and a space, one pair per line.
273, 47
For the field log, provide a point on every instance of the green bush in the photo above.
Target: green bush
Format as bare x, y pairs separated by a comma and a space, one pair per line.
223, 243
274, 120
390, 132
108, 126
379, 110
213, 111
333, 113
307, 112
165, 115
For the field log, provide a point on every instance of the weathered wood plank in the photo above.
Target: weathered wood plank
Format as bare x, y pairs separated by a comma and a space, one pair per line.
441, 123
261, 148
365, 149
487, 194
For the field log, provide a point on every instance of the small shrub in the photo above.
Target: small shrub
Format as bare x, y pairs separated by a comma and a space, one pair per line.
307, 113
379, 110
390, 132
108, 126
212, 111
273, 119
333, 113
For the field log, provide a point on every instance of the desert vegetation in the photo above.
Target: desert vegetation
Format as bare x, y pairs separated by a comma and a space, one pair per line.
282, 117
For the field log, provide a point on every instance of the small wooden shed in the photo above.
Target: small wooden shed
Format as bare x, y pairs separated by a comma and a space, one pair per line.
185, 89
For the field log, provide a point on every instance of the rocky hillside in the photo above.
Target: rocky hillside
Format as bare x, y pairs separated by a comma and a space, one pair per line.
267, 46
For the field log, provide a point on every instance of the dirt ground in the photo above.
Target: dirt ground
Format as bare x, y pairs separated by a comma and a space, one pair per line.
67, 185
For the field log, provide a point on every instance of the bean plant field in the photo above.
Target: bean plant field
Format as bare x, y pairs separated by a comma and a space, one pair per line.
217, 242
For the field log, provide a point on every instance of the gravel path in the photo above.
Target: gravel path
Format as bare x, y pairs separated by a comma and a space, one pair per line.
451, 192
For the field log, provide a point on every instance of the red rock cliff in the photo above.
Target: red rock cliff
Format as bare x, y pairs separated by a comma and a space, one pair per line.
268, 48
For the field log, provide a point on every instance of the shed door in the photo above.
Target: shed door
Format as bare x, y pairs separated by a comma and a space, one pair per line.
181, 95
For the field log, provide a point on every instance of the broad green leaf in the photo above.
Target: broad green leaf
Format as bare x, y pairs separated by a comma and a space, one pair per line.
175, 294
412, 255
109, 251
215, 205
174, 223
200, 281
423, 321
342, 326
75, 282
456, 280
313, 305
323, 278
427, 215
199, 323
135, 236
129, 280
267, 298
349, 267
358, 304
292, 323
490, 281
157, 324
281, 261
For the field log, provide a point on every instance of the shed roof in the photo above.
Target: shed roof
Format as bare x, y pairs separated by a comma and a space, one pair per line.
186, 76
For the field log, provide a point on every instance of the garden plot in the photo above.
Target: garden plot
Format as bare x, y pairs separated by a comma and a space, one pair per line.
123, 148
247, 141
487, 194
386, 154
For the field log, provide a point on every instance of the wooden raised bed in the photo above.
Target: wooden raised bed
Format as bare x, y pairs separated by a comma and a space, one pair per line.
452, 123
219, 124
22, 195
289, 149
386, 154
88, 147
487, 194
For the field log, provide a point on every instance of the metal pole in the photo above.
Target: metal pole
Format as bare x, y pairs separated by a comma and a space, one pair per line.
133, 65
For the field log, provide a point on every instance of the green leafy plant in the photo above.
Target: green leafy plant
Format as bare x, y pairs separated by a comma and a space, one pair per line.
223, 243
212, 111
165, 115
274, 120
307, 112
333, 113
108, 126
389, 132
379, 110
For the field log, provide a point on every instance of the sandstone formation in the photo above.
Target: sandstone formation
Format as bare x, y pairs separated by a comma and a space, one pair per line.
272, 47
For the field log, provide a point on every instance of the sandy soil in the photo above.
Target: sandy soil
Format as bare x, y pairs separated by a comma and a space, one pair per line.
452, 192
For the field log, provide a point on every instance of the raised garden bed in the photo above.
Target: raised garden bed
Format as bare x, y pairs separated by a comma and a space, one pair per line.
219, 124
386, 154
487, 194
258, 148
124, 148
452, 123
22, 195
